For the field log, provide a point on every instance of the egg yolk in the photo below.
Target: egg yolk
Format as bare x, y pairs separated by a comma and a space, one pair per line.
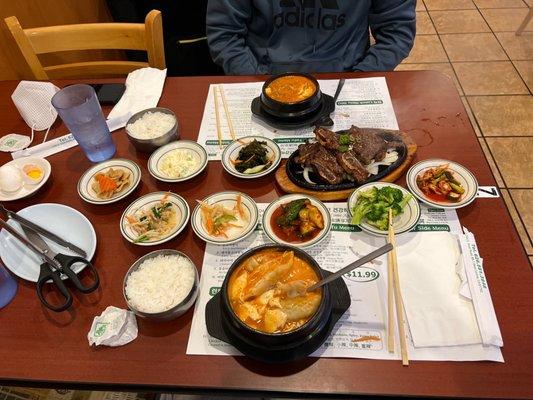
33, 171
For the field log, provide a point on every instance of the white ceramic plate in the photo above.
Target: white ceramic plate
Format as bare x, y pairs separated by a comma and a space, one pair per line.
27, 189
64, 221
228, 200
267, 215
86, 191
462, 174
402, 223
231, 152
148, 201
196, 150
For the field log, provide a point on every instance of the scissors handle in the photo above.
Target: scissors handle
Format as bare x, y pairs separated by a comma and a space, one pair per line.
46, 274
67, 261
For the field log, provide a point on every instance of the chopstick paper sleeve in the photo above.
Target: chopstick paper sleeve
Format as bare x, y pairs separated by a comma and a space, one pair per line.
479, 289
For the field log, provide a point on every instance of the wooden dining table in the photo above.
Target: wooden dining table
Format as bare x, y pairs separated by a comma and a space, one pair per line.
42, 348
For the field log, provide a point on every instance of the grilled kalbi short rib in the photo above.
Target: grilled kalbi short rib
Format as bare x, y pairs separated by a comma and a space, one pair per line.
323, 161
332, 165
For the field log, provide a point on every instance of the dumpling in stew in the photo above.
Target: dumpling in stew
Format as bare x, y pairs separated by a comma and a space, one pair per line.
268, 291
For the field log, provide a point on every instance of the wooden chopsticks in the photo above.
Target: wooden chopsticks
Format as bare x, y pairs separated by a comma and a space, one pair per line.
393, 262
226, 110
216, 90
217, 116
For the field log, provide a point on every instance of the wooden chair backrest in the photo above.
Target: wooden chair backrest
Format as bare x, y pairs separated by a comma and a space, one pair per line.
124, 36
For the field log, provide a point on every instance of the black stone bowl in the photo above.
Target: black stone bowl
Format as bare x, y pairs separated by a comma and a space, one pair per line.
223, 323
295, 172
297, 110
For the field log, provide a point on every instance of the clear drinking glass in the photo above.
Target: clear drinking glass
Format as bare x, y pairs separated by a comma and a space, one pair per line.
8, 287
78, 107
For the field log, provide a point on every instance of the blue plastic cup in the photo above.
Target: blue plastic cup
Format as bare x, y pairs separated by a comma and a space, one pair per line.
8, 287
78, 107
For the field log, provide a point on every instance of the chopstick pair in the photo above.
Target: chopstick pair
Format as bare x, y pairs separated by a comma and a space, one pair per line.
394, 293
216, 89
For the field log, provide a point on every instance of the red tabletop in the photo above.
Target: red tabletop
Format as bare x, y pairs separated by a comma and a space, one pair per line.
38, 347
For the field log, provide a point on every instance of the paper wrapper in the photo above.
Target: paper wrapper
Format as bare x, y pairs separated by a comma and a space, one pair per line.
114, 327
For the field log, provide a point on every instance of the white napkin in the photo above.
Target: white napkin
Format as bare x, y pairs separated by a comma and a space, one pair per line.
114, 327
436, 312
143, 90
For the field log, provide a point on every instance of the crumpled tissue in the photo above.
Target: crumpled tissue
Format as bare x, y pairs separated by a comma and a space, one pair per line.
114, 327
144, 87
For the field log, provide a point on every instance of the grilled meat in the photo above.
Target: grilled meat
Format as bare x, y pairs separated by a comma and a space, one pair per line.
327, 138
344, 155
349, 162
327, 166
306, 151
367, 145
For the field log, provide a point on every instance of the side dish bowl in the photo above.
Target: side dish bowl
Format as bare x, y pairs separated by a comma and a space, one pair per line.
276, 236
157, 161
402, 223
231, 153
147, 204
464, 177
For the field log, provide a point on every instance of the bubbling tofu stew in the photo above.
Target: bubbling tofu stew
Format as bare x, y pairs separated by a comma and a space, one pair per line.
268, 291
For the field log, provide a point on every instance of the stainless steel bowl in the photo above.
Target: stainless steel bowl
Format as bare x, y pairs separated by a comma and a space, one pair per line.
178, 309
149, 145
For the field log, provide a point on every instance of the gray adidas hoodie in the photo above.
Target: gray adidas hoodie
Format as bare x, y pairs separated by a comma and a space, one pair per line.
273, 36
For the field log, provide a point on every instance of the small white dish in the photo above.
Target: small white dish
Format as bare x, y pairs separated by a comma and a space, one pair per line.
148, 201
62, 220
86, 181
462, 174
196, 151
402, 223
267, 216
231, 152
227, 199
27, 188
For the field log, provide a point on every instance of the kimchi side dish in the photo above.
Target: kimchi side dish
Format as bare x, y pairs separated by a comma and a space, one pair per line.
268, 291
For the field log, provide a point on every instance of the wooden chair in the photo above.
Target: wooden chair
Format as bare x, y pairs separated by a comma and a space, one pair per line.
125, 36
525, 22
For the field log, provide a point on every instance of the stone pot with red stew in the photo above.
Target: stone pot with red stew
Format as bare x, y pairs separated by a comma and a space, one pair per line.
291, 95
265, 298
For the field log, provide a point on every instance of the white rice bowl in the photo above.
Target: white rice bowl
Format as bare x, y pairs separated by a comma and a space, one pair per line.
151, 125
160, 283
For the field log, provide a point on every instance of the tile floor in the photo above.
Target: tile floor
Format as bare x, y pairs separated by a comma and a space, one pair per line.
474, 43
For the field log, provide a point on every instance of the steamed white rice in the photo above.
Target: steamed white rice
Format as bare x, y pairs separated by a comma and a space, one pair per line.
151, 125
160, 283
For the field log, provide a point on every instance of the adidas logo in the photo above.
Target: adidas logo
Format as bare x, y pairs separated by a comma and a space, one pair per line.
304, 14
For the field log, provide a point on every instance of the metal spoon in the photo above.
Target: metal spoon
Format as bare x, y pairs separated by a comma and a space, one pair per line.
338, 91
326, 119
363, 260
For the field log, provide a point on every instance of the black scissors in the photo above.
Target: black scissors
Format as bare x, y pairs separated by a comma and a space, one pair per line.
53, 266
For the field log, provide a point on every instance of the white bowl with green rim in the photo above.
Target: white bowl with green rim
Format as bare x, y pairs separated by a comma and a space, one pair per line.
402, 223
272, 207
231, 152
466, 178
86, 181
148, 201
191, 153
227, 199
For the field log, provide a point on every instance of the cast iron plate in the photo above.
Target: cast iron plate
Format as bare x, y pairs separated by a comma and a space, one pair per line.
318, 117
222, 330
295, 172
